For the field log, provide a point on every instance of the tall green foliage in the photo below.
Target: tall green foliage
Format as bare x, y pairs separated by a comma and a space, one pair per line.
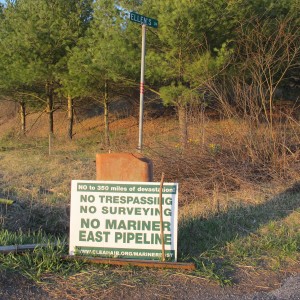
181, 52
90, 48
38, 34
104, 57
12, 81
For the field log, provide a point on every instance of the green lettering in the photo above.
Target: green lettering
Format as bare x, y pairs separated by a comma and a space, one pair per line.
105, 210
138, 211
109, 199
98, 236
156, 226
123, 199
83, 198
90, 237
122, 225
168, 239
167, 226
122, 211
139, 238
130, 210
167, 212
82, 235
136, 200
116, 199
118, 236
145, 239
85, 223
131, 225
83, 209
111, 224
130, 237
106, 234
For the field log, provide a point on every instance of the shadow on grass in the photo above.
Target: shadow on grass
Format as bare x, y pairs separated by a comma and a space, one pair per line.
197, 235
32, 216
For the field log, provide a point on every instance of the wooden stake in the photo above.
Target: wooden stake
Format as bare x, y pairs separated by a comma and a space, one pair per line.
162, 237
50, 143
132, 262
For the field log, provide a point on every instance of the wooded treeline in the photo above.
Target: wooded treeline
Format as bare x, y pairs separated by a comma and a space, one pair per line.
237, 55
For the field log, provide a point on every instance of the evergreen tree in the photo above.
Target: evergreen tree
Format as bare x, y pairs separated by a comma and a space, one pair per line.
104, 57
12, 83
38, 35
180, 53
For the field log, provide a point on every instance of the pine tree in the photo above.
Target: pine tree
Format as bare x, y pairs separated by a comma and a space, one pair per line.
180, 53
38, 35
105, 58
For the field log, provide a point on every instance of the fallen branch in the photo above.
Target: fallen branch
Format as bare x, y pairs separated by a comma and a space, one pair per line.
133, 262
20, 248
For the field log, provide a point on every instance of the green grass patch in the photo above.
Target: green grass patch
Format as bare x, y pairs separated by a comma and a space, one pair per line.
19, 238
11, 142
42, 260
266, 236
273, 245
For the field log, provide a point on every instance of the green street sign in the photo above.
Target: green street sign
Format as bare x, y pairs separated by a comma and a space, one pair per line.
134, 17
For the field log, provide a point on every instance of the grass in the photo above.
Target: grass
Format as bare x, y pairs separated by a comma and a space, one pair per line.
234, 211
43, 259
19, 238
264, 236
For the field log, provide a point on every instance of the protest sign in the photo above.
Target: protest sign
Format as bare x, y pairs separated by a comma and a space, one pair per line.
122, 219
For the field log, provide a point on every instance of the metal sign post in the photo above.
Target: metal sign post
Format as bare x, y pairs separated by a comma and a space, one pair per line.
142, 83
145, 21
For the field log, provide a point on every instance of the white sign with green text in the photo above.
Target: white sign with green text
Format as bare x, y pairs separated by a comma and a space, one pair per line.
122, 219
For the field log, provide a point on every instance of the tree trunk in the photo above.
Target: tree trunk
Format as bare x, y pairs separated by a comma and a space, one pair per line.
183, 125
106, 117
50, 109
23, 117
50, 106
70, 117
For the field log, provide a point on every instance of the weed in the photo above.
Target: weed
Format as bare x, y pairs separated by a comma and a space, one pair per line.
44, 259
214, 271
19, 238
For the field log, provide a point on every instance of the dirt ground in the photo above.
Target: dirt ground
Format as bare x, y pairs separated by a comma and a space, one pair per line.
154, 284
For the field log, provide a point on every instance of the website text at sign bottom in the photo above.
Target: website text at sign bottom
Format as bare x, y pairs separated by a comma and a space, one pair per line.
124, 253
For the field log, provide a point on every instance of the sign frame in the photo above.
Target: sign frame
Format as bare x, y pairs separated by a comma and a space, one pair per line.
121, 219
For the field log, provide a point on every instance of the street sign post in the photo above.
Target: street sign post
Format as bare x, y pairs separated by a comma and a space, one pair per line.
144, 21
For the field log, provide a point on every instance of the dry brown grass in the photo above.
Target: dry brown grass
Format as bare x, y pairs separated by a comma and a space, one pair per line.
224, 175
41, 188
226, 162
